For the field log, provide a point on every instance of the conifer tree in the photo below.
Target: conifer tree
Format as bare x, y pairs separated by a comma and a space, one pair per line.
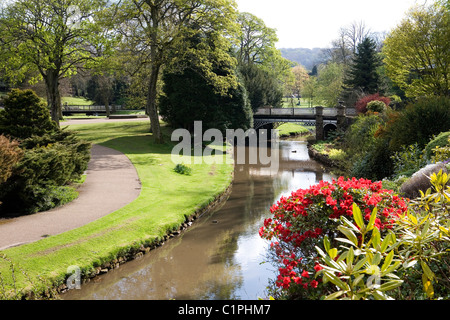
363, 71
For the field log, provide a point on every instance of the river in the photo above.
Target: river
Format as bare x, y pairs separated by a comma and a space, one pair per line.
220, 257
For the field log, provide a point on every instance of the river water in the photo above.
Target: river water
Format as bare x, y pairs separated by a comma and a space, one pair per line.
220, 257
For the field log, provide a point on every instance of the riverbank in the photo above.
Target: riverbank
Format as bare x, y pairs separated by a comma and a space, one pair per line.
168, 203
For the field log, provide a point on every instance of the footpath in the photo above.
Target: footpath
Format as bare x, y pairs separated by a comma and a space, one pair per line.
111, 183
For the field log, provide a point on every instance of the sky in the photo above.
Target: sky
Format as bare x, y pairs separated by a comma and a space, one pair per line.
315, 23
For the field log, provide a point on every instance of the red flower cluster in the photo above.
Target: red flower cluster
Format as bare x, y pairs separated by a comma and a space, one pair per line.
300, 221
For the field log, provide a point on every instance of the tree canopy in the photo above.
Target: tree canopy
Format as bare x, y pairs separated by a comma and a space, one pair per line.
49, 40
363, 70
417, 52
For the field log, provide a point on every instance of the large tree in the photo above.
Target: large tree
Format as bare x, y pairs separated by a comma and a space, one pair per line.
156, 31
417, 51
49, 40
263, 68
330, 84
362, 73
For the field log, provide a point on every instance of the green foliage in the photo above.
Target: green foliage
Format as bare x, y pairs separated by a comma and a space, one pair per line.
188, 97
411, 261
365, 269
25, 115
424, 239
55, 43
10, 155
417, 54
263, 89
330, 81
441, 140
419, 122
52, 158
442, 153
363, 71
376, 106
183, 169
50, 163
368, 155
409, 160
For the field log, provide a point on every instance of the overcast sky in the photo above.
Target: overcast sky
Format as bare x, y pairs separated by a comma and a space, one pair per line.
315, 23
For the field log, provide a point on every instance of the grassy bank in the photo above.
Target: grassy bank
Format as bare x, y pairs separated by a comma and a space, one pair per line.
166, 199
291, 129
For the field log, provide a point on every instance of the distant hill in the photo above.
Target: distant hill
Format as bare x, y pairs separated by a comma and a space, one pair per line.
304, 56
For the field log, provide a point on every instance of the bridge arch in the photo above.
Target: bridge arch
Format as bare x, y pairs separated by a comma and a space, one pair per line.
329, 127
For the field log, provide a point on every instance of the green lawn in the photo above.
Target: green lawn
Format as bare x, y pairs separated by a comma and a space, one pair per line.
76, 101
165, 199
286, 129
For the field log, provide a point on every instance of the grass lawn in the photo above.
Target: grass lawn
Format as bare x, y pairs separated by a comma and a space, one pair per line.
286, 129
76, 101
165, 199
293, 103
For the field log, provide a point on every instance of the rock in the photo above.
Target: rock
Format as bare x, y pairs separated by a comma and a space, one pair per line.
420, 180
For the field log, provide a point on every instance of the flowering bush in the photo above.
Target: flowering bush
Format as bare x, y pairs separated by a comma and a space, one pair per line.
361, 104
300, 223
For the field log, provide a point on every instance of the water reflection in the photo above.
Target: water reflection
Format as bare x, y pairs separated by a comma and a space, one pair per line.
220, 256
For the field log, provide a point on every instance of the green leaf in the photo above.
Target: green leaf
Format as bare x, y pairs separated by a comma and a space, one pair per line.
359, 264
333, 253
349, 234
335, 280
426, 227
350, 257
427, 286
427, 271
335, 295
390, 285
376, 237
387, 261
326, 243
357, 215
373, 216
385, 243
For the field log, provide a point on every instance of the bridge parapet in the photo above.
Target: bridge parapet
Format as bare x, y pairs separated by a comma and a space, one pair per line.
299, 112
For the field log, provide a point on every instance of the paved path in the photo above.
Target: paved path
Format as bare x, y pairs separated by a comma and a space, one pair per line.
111, 183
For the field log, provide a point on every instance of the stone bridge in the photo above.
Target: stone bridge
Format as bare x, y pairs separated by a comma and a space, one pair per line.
321, 119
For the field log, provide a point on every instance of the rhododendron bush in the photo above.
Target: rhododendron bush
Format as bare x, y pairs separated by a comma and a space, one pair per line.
301, 221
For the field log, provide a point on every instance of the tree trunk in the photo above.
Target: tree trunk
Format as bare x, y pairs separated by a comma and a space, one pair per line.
106, 101
152, 110
53, 96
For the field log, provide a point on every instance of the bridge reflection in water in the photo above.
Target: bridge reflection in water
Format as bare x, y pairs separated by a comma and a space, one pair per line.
291, 158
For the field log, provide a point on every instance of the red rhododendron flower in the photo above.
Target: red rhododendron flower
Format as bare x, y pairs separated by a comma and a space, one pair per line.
300, 221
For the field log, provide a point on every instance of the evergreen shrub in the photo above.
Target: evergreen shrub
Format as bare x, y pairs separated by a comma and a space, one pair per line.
52, 158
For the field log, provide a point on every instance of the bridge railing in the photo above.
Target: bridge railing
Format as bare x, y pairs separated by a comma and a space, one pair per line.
88, 108
327, 112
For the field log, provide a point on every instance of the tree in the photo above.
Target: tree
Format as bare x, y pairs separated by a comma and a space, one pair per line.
263, 68
300, 76
263, 89
417, 52
310, 90
50, 39
157, 30
330, 84
257, 41
363, 70
345, 46
188, 97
